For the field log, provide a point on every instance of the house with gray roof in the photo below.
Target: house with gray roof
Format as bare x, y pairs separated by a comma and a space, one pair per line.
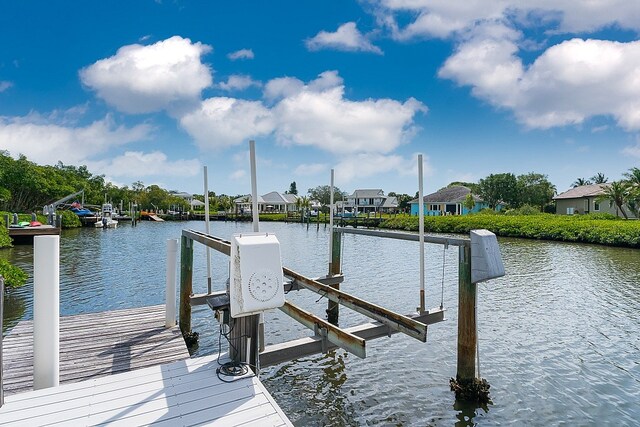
449, 201
270, 202
369, 200
587, 199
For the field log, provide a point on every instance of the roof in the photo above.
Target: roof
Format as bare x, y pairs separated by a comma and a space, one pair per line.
274, 197
182, 194
247, 199
390, 202
367, 193
583, 191
290, 198
196, 202
453, 194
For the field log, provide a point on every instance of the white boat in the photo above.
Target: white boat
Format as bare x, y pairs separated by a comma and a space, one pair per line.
107, 220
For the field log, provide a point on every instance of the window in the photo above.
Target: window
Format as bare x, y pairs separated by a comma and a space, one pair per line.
586, 206
434, 208
570, 211
596, 206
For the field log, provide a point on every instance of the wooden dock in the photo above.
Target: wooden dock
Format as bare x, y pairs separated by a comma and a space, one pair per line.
95, 345
26, 234
183, 393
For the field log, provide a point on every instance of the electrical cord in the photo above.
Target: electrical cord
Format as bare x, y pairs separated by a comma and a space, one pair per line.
230, 369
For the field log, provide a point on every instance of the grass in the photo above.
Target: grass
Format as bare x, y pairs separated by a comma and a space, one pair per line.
599, 229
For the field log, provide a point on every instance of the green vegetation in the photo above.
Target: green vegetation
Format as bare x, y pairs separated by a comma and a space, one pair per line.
13, 276
599, 228
529, 189
70, 220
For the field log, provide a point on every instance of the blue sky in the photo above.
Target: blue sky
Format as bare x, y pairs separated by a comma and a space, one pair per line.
154, 90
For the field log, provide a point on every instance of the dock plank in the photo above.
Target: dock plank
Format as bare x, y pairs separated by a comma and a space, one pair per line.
96, 344
182, 393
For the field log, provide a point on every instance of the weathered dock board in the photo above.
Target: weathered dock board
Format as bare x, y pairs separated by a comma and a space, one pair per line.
96, 344
183, 393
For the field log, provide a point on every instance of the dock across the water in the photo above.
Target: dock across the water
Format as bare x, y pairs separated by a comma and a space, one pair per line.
26, 234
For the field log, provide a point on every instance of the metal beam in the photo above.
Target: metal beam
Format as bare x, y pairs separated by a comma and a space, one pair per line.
337, 336
406, 236
295, 349
393, 320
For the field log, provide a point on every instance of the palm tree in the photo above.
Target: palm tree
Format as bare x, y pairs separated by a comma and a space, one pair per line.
633, 182
599, 178
617, 194
633, 177
580, 182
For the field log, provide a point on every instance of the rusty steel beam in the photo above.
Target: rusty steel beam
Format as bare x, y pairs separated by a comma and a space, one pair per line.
337, 336
394, 320
453, 241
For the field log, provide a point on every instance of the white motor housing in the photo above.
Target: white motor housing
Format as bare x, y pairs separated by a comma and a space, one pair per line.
256, 279
486, 261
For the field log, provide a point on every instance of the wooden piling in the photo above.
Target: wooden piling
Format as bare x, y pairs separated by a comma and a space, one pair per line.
335, 268
467, 339
186, 289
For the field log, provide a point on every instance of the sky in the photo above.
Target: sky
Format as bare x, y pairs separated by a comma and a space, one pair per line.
152, 91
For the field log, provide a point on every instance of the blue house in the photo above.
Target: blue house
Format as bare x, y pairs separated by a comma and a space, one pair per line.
449, 201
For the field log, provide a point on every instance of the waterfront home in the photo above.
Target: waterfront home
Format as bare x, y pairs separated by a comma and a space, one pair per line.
449, 201
195, 204
270, 202
588, 199
368, 200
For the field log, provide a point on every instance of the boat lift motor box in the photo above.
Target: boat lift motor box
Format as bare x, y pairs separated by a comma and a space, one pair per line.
256, 279
486, 261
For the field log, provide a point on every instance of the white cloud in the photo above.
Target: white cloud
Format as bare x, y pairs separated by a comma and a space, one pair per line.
238, 82
138, 164
632, 150
310, 169
363, 165
46, 142
347, 37
222, 122
238, 175
318, 115
4, 85
143, 79
567, 84
241, 54
282, 87
444, 18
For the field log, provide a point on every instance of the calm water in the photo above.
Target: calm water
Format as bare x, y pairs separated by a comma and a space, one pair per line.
559, 335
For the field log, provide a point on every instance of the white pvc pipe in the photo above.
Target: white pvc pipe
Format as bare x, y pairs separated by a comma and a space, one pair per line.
254, 186
170, 297
206, 226
46, 311
330, 221
421, 231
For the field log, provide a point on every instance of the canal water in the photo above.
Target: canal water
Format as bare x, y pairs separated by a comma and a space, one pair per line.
559, 335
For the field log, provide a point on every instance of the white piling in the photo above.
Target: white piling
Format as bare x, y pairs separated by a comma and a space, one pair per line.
170, 298
206, 226
421, 232
46, 311
254, 186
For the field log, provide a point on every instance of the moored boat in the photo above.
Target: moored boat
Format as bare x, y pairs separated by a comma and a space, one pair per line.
107, 220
